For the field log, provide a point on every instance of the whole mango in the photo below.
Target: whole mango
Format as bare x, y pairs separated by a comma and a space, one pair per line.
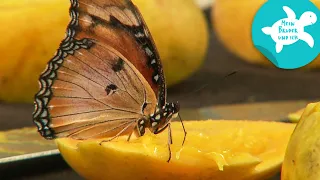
30, 34
232, 21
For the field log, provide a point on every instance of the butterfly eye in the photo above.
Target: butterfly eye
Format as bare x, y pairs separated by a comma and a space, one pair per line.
176, 107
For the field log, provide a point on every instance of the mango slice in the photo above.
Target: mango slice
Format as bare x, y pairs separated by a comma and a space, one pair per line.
302, 159
214, 149
295, 116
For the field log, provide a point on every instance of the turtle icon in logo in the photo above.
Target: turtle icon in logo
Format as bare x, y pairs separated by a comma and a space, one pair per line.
289, 30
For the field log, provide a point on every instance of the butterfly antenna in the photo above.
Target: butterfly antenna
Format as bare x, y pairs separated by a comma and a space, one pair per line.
205, 85
230, 74
199, 89
184, 129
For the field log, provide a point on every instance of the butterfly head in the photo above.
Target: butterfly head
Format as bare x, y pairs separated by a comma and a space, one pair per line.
170, 110
174, 108
162, 116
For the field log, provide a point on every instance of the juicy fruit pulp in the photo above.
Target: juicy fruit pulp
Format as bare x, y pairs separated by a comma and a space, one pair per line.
214, 149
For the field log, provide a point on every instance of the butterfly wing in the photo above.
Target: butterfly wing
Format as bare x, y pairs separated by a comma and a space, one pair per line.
120, 22
102, 78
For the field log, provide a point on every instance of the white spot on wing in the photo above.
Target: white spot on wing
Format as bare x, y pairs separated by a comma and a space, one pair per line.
44, 114
38, 124
148, 51
156, 78
139, 35
59, 61
44, 121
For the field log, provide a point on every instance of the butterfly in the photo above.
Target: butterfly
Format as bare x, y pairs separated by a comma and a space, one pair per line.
106, 78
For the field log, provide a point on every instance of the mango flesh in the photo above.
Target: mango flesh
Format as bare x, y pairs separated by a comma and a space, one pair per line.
302, 159
214, 149
34, 28
232, 21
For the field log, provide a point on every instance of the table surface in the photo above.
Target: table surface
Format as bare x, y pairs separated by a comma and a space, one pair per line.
251, 83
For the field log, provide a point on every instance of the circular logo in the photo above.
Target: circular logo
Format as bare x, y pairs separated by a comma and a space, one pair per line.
287, 32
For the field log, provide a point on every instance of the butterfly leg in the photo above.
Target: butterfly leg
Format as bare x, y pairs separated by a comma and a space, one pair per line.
169, 140
139, 130
130, 135
118, 134
169, 137
184, 130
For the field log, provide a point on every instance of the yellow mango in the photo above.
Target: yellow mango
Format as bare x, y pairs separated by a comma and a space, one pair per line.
214, 149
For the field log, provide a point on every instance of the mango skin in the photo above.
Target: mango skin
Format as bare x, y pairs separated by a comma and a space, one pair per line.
181, 35
302, 159
30, 35
233, 29
33, 30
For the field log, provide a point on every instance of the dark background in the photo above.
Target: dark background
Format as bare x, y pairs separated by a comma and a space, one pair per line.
251, 83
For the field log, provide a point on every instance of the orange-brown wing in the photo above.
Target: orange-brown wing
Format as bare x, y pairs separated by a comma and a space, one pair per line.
93, 86
120, 23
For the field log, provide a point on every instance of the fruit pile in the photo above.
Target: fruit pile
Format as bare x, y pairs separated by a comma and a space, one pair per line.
220, 149
35, 28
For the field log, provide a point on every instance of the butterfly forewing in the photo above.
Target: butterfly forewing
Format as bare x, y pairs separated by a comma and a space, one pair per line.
105, 76
119, 23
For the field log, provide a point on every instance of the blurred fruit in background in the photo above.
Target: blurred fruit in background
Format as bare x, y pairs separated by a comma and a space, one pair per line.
179, 29
232, 22
34, 28
31, 31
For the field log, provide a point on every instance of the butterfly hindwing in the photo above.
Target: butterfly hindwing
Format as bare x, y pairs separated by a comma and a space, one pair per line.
105, 75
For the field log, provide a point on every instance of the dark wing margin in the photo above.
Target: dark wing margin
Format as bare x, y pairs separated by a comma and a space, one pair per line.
67, 47
154, 60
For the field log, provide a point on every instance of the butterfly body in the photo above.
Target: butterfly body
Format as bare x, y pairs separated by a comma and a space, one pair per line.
158, 121
106, 78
